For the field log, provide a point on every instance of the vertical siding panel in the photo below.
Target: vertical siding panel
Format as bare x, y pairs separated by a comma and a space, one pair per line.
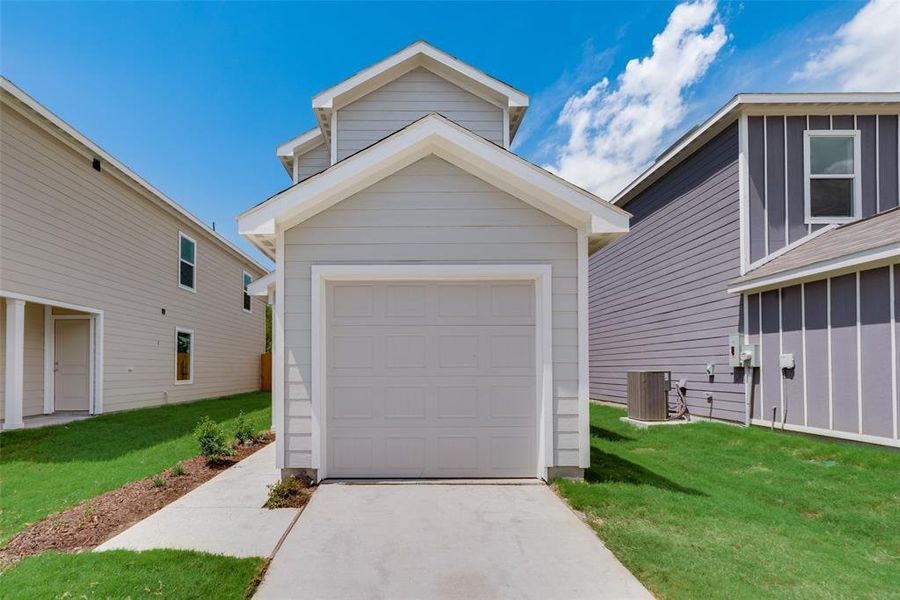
795, 185
819, 122
816, 320
875, 346
771, 374
792, 342
866, 126
756, 168
896, 342
775, 201
844, 355
887, 161
842, 122
754, 337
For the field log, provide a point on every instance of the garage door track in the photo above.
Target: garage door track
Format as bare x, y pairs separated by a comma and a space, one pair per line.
442, 540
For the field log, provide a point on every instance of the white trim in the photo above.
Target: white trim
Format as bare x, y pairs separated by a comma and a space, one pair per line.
295, 169
855, 176
332, 149
278, 398
14, 344
877, 166
833, 433
803, 346
765, 193
438, 136
183, 235
757, 104
506, 128
783, 414
744, 192
193, 351
871, 258
300, 144
260, 287
541, 275
584, 375
796, 243
49, 344
894, 373
762, 408
245, 292
107, 158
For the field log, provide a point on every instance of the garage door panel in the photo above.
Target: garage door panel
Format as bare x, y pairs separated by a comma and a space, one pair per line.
431, 380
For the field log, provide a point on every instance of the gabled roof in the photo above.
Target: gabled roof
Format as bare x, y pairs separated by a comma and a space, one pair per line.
420, 54
39, 113
867, 243
304, 142
729, 113
438, 136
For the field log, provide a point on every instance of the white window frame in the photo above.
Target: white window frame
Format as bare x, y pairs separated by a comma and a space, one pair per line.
807, 175
193, 347
182, 235
246, 293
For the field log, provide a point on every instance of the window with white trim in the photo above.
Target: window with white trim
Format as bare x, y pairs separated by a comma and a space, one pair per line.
831, 165
184, 355
248, 300
187, 262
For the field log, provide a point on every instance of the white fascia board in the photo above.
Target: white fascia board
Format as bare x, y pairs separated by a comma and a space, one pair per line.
260, 287
397, 63
438, 136
70, 131
756, 103
826, 268
302, 143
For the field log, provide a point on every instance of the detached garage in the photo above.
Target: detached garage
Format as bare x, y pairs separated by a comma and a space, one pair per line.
430, 300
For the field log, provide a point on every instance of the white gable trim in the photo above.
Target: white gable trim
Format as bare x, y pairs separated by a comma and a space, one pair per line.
435, 135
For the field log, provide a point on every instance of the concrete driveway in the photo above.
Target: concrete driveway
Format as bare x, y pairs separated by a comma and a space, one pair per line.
437, 540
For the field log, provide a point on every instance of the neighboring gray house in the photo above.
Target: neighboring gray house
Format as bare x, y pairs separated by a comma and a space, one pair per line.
430, 312
111, 295
773, 220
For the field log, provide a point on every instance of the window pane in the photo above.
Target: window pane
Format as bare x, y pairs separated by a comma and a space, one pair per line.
831, 197
246, 302
247, 280
831, 155
183, 356
187, 275
187, 250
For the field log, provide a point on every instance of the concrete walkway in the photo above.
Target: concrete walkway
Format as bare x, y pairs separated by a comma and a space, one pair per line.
222, 516
411, 541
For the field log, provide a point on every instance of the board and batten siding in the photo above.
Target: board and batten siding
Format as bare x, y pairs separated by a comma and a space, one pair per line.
429, 212
776, 184
843, 332
406, 99
657, 296
78, 236
313, 161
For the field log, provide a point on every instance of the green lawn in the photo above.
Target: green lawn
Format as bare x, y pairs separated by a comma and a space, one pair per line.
121, 574
714, 511
46, 470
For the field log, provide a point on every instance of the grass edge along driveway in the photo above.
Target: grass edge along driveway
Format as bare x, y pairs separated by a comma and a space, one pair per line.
123, 574
46, 470
709, 510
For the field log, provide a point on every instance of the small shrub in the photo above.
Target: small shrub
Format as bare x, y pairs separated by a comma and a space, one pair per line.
178, 470
282, 493
213, 444
244, 432
158, 481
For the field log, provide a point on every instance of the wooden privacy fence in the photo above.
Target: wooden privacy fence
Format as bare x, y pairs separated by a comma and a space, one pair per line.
265, 372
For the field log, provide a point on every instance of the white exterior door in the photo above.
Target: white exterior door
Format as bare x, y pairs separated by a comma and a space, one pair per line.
72, 368
430, 380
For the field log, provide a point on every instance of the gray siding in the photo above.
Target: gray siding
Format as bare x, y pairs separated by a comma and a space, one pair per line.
409, 98
776, 180
658, 298
430, 212
314, 161
73, 235
845, 325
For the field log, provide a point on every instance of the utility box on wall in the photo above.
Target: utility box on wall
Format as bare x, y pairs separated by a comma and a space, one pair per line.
648, 395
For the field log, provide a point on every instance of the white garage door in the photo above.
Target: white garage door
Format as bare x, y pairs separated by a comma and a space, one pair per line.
431, 380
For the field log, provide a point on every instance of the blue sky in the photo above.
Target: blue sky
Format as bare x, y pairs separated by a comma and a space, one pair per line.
195, 97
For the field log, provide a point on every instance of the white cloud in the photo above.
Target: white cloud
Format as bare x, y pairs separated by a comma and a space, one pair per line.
616, 130
864, 53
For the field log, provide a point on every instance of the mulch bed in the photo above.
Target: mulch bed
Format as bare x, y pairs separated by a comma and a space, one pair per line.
92, 522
